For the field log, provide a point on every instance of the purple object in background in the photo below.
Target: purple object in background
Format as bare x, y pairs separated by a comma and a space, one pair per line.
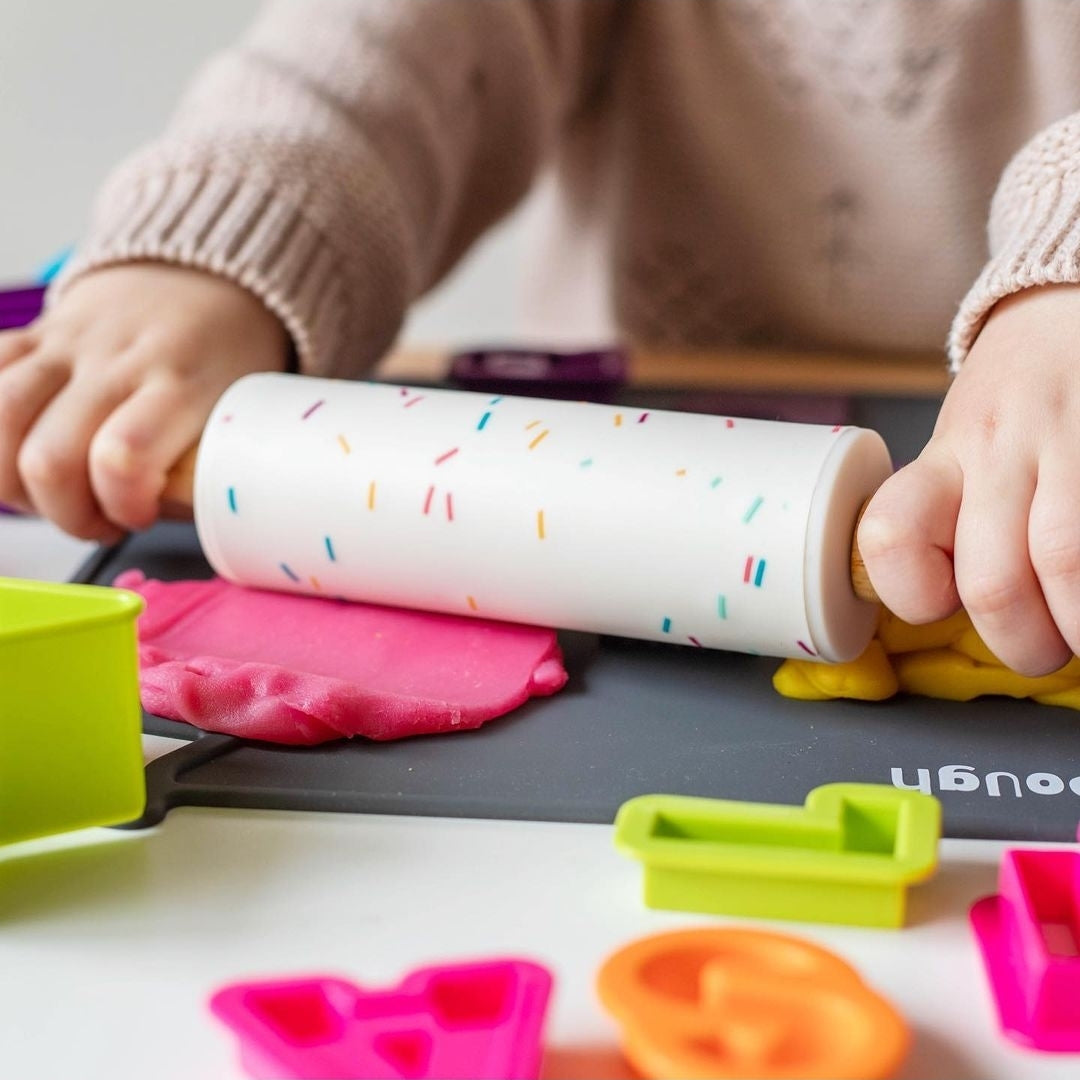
589, 375
20, 306
603, 374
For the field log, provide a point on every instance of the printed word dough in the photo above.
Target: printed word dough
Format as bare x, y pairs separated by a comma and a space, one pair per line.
302, 670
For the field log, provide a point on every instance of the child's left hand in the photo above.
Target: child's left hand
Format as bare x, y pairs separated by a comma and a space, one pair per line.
988, 516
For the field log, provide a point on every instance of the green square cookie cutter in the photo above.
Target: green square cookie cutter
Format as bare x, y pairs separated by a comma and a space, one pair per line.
70, 721
846, 856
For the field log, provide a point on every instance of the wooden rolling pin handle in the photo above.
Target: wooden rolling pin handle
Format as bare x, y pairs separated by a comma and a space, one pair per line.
178, 496
860, 579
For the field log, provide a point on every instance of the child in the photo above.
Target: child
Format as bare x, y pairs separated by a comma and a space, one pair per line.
759, 170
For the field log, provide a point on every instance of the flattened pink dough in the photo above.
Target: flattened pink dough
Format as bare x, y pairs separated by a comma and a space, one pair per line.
301, 670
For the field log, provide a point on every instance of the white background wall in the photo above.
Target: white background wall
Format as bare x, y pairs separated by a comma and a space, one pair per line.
82, 82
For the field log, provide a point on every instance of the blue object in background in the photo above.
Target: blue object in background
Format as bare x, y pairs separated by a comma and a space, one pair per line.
54, 266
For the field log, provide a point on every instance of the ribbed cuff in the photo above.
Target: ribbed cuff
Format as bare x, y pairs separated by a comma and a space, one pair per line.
1042, 248
257, 235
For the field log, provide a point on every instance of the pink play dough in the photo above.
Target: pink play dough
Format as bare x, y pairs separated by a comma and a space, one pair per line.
301, 670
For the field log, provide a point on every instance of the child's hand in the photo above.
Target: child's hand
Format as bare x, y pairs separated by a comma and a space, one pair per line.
988, 517
101, 396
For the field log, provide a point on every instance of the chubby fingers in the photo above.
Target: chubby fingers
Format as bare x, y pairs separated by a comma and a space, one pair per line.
15, 344
906, 538
995, 575
133, 450
28, 383
938, 536
1053, 537
52, 460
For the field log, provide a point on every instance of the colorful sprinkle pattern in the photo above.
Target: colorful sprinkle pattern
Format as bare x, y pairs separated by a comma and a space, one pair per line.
751, 571
708, 505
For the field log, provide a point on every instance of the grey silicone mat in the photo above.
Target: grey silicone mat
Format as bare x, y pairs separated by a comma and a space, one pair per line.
639, 718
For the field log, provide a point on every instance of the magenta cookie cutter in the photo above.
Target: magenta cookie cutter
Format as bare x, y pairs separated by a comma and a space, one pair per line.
480, 1020
1029, 935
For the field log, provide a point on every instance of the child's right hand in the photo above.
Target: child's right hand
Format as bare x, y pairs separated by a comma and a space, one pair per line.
987, 516
102, 395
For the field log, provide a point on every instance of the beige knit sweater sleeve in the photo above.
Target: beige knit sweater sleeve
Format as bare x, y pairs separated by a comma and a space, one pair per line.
340, 158
1034, 229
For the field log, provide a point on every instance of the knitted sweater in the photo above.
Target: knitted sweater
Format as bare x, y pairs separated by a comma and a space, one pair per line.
810, 172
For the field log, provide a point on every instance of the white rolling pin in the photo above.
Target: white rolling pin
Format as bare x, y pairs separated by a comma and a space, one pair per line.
707, 531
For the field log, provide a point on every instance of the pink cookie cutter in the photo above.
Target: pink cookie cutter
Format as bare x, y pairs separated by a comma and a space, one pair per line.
1029, 935
482, 1020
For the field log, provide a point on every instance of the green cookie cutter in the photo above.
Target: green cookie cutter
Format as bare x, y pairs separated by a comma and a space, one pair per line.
847, 856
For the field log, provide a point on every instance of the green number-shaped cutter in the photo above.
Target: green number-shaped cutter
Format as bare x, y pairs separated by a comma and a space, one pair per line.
70, 722
846, 856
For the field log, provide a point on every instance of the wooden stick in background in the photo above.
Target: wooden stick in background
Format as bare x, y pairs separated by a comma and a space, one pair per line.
789, 371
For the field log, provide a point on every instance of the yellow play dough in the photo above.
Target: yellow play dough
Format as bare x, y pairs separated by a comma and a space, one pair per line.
946, 659
869, 678
897, 636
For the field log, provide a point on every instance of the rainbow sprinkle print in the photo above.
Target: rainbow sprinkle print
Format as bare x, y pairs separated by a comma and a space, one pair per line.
567, 453
757, 573
752, 509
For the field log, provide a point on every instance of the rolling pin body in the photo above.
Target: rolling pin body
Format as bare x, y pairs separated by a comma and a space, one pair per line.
676, 527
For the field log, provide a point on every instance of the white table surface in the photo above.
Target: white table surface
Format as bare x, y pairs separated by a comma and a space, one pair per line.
111, 942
